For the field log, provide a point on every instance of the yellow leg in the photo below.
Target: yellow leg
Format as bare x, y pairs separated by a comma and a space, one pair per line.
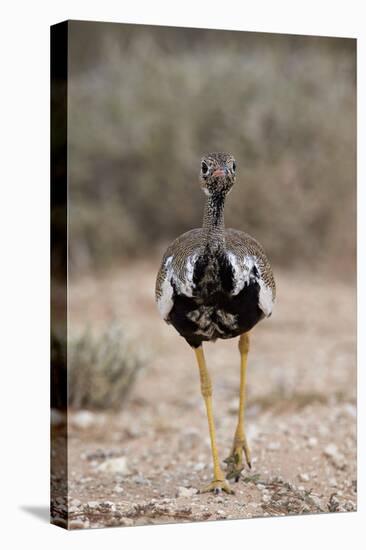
218, 482
235, 460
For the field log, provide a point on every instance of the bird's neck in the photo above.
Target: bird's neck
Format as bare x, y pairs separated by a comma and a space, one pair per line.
213, 221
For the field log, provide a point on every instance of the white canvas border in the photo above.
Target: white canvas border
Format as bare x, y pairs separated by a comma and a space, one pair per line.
25, 265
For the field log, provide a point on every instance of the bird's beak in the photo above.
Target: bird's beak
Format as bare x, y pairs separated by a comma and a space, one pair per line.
219, 173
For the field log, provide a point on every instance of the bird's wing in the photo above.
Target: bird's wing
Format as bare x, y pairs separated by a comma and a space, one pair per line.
176, 270
249, 262
245, 254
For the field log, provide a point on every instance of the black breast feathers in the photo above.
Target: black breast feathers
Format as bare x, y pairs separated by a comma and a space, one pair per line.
214, 311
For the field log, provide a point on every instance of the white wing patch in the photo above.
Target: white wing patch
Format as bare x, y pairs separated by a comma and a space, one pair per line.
243, 273
165, 302
265, 298
186, 286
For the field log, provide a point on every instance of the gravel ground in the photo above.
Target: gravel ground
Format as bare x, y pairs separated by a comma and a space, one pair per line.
144, 464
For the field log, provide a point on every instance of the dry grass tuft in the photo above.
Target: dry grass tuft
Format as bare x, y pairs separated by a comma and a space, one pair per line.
102, 369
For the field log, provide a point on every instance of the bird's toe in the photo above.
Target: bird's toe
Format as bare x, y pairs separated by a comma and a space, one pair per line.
217, 486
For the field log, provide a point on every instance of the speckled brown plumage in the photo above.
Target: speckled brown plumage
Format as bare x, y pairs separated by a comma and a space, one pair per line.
239, 243
214, 262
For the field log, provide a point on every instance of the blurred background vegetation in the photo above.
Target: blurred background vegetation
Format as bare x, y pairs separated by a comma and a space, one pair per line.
102, 369
146, 102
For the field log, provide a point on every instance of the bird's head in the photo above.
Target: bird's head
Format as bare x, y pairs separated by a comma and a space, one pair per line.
217, 173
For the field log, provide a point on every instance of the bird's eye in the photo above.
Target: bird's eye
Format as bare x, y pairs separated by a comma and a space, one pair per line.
204, 168
234, 166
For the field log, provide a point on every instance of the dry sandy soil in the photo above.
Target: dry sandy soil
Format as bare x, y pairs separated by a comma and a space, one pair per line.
144, 464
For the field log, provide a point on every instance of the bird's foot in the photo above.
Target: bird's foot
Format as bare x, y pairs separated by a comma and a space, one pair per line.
216, 486
234, 461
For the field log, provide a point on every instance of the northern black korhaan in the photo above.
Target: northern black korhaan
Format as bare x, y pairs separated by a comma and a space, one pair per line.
217, 283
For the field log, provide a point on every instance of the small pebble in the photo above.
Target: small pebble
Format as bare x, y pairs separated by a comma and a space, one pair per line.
350, 410
316, 500
331, 450
273, 446
304, 477
186, 492
140, 480
83, 419
77, 524
116, 465
93, 504
72, 509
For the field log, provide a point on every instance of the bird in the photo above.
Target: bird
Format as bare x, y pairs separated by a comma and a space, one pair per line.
217, 283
